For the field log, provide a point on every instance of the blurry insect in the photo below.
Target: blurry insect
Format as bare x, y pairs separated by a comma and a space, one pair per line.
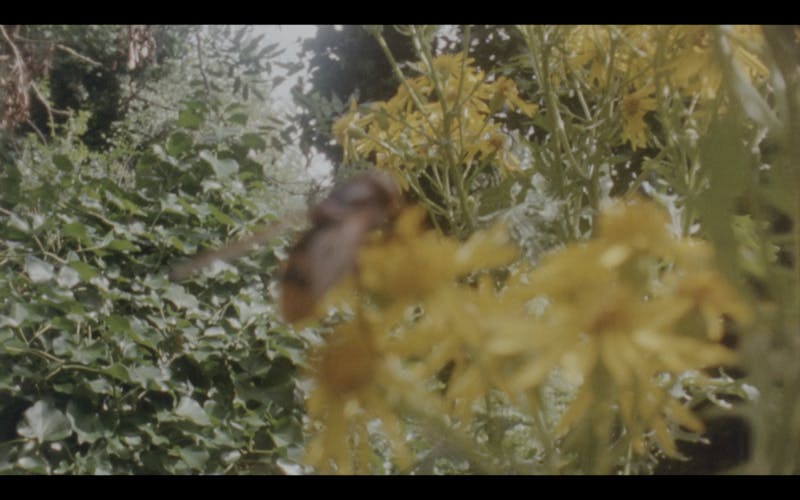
327, 251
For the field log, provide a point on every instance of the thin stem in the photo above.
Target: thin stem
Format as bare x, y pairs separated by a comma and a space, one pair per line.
399, 75
200, 63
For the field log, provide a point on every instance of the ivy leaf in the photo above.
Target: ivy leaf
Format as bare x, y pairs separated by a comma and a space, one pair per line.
87, 427
38, 270
68, 277
190, 409
76, 231
178, 296
44, 423
194, 456
85, 271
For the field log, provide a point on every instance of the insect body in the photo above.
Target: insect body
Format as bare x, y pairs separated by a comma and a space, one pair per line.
328, 250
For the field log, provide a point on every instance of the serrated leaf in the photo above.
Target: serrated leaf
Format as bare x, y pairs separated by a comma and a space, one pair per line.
38, 270
190, 409
44, 423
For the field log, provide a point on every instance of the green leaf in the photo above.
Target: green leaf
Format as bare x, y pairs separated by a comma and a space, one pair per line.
190, 409
76, 231
67, 277
18, 223
178, 296
179, 143
240, 118
190, 118
63, 162
223, 168
221, 216
33, 464
44, 423
85, 271
121, 246
194, 456
87, 426
254, 141
148, 376
118, 371
119, 324
156, 439
38, 270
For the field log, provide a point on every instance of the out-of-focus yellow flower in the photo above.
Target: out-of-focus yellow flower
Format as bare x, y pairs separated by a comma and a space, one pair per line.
611, 329
410, 265
352, 379
614, 313
633, 108
382, 362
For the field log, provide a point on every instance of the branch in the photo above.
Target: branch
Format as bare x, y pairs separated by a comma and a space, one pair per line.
36, 129
75, 54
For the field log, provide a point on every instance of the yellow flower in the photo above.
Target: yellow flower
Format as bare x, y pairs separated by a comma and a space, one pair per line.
506, 90
633, 108
352, 380
694, 68
613, 331
381, 363
423, 125
589, 44
411, 264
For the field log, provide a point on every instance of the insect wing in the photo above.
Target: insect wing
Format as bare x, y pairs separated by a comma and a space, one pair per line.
318, 261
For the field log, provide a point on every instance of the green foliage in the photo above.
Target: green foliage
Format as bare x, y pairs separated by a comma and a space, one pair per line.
105, 365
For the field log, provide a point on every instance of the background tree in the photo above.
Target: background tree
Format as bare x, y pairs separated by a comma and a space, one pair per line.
344, 62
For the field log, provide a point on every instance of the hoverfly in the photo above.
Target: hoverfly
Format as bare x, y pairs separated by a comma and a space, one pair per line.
324, 253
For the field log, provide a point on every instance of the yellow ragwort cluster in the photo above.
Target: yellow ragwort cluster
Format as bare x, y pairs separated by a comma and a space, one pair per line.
443, 116
643, 59
621, 309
